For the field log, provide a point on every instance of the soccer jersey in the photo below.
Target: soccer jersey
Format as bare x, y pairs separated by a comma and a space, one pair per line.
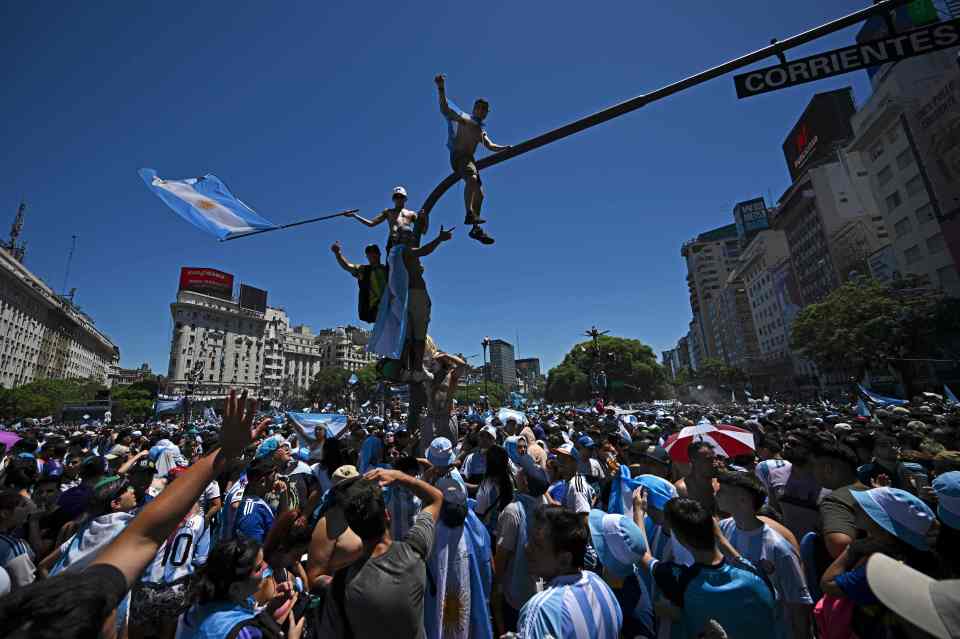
776, 557
578, 606
17, 558
773, 474
177, 556
579, 494
230, 508
254, 519
732, 593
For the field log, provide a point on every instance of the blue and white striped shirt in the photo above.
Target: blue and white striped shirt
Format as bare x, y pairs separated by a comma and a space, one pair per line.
403, 506
776, 557
579, 606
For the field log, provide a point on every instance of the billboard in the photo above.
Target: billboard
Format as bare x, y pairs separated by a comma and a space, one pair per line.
208, 281
824, 124
253, 298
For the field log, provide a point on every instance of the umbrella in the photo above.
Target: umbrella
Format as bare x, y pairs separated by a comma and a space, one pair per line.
8, 439
726, 440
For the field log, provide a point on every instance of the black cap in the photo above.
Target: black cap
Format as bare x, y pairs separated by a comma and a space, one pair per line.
658, 454
144, 465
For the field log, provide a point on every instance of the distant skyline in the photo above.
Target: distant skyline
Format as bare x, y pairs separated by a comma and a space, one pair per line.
307, 108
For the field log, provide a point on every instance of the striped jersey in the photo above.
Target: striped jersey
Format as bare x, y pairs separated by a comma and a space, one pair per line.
776, 558
773, 474
230, 508
178, 556
578, 606
579, 494
12, 547
403, 506
254, 519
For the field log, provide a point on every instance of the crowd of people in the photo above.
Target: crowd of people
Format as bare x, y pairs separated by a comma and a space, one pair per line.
683, 521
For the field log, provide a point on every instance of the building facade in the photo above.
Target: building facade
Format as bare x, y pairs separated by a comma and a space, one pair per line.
125, 376
503, 367
44, 335
710, 258
886, 140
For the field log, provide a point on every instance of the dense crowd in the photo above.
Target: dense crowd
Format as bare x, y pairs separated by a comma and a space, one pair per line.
740, 521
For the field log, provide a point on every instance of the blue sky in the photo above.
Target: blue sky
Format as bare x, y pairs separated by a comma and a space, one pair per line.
311, 107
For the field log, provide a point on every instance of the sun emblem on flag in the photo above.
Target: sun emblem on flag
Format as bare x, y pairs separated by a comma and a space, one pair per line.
206, 205
455, 613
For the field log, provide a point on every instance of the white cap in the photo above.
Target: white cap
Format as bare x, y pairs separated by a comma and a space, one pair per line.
399, 190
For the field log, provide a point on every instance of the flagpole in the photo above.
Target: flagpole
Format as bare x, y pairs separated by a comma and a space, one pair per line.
292, 224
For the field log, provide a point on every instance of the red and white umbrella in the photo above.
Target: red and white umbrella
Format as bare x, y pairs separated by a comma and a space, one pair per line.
726, 440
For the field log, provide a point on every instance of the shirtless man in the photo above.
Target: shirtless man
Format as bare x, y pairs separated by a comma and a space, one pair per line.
395, 217
701, 484
466, 132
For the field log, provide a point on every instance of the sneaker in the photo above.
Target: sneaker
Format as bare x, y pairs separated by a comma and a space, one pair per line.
473, 219
479, 235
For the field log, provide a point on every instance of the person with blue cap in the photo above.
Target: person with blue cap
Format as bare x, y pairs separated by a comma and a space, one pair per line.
897, 524
587, 464
441, 456
946, 487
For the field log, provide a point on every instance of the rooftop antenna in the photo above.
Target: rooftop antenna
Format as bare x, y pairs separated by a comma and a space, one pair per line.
66, 273
17, 250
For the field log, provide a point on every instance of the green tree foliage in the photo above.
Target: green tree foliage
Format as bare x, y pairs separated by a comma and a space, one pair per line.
716, 373
865, 324
46, 396
367, 381
134, 402
328, 385
631, 366
471, 394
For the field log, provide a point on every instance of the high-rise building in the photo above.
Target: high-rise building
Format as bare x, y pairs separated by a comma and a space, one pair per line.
734, 332
44, 335
890, 129
503, 368
710, 257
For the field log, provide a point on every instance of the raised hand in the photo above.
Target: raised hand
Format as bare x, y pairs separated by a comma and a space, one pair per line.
440, 79
238, 430
335, 247
446, 234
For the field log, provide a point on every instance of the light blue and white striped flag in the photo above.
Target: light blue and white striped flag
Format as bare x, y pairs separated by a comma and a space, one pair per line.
208, 204
306, 424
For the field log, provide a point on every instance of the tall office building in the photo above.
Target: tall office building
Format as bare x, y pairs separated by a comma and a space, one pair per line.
503, 367
710, 257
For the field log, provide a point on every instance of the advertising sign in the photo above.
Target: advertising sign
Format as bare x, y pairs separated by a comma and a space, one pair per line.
824, 123
253, 298
858, 57
208, 281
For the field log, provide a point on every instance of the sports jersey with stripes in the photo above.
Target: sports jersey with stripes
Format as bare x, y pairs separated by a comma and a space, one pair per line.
577, 606
178, 555
778, 560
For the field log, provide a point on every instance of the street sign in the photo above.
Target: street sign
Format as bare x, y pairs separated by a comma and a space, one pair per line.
859, 57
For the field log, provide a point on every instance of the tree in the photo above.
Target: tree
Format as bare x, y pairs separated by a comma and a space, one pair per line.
46, 397
328, 385
865, 324
715, 372
135, 401
367, 382
631, 367
470, 394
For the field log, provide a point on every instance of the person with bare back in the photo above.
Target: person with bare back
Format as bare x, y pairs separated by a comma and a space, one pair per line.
395, 217
465, 132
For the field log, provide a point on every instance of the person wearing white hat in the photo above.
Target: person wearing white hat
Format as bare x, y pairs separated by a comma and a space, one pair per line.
924, 603
396, 216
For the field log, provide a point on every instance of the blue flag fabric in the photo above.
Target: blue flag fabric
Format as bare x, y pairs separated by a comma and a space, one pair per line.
862, 410
951, 398
880, 399
168, 406
390, 331
353, 379
517, 400
452, 126
208, 204
307, 424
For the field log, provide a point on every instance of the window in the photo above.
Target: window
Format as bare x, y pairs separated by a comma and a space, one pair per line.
935, 244
893, 200
913, 254
925, 213
915, 185
902, 227
876, 151
905, 159
885, 175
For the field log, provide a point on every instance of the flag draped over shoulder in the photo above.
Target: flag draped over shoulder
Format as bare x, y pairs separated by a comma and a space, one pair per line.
208, 204
306, 424
880, 399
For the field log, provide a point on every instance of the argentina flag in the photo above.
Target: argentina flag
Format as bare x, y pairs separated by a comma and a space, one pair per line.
306, 424
208, 204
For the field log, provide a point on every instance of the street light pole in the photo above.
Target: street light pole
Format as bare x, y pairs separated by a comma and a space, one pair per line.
486, 371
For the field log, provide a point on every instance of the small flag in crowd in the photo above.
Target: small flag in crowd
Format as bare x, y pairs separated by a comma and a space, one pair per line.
208, 204
951, 398
307, 424
880, 399
353, 379
862, 410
